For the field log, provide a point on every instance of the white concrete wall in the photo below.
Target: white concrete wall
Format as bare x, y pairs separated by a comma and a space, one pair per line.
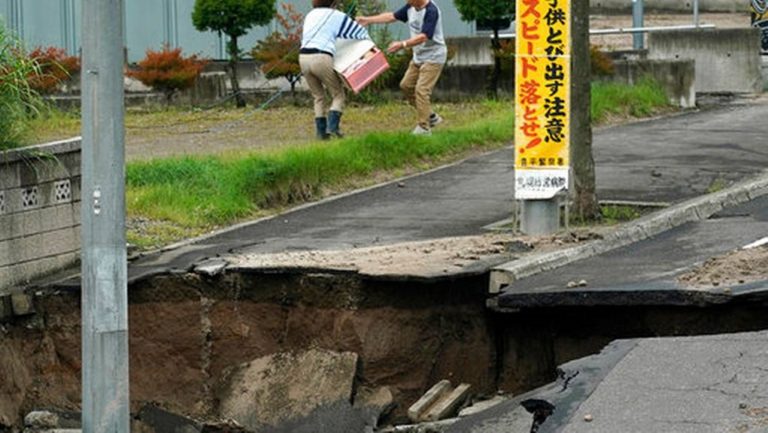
675, 5
470, 51
151, 23
39, 211
677, 77
727, 60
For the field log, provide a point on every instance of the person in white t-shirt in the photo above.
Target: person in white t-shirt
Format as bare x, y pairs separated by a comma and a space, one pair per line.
322, 26
425, 24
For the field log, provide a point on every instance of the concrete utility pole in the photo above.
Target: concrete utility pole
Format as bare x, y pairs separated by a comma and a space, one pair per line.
104, 303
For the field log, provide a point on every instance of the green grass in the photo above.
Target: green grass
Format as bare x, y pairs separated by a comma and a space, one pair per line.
614, 214
18, 101
640, 100
717, 184
215, 190
183, 196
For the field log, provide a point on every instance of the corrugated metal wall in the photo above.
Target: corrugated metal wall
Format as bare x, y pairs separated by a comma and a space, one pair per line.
150, 23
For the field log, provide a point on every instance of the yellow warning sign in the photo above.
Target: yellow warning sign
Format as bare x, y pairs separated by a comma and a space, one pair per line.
542, 98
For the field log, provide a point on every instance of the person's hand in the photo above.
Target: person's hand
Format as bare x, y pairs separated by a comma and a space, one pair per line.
396, 46
363, 21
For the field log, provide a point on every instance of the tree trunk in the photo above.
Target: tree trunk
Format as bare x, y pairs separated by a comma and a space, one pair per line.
234, 55
584, 204
493, 90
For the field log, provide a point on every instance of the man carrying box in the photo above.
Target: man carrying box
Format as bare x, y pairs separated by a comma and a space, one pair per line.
429, 55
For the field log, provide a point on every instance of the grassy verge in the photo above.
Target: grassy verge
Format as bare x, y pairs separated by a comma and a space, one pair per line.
194, 194
614, 102
185, 196
177, 197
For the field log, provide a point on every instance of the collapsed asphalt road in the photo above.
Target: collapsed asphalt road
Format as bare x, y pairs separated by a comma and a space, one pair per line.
662, 160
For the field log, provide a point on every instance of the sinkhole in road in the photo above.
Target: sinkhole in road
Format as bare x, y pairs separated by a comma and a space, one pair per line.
188, 333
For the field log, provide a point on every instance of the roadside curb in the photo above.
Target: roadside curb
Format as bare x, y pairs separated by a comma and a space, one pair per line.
696, 209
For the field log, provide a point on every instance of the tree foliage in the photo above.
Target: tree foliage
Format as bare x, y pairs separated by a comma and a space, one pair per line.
601, 63
55, 68
168, 70
279, 52
485, 10
233, 18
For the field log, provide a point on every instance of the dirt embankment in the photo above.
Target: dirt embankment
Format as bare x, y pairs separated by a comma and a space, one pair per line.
187, 332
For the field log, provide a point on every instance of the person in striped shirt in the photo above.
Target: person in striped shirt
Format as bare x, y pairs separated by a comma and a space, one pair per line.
425, 24
322, 26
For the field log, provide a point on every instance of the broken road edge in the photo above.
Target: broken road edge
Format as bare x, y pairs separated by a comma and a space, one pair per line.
696, 209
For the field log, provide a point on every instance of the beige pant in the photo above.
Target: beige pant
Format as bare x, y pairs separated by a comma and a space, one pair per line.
319, 73
417, 85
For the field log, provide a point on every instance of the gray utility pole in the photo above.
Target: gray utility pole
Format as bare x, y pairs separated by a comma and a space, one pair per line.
638, 20
104, 303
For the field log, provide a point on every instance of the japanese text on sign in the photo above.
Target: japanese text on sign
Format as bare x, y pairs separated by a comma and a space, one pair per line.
542, 90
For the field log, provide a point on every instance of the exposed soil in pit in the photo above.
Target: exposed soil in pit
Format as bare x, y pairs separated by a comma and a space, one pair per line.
186, 332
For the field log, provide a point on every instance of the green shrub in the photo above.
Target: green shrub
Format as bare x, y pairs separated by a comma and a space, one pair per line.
602, 65
168, 70
55, 68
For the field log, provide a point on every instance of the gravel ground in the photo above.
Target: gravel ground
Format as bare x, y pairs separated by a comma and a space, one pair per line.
424, 258
737, 267
223, 131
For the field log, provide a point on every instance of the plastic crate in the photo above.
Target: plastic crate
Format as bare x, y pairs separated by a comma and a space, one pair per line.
365, 69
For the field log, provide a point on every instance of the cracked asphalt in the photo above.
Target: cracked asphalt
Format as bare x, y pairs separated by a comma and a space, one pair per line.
701, 384
659, 160
683, 385
673, 385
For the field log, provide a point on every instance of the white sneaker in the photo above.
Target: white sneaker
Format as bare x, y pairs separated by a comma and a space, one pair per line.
435, 119
419, 130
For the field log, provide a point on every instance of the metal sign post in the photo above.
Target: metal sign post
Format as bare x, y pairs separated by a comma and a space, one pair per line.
542, 111
696, 13
638, 20
104, 303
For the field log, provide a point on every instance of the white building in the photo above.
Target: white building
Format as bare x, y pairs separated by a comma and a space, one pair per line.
151, 23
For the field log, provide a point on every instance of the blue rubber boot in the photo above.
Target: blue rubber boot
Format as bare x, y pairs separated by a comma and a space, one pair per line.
321, 126
334, 121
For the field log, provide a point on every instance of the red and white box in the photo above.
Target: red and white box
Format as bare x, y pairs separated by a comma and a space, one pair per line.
359, 62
